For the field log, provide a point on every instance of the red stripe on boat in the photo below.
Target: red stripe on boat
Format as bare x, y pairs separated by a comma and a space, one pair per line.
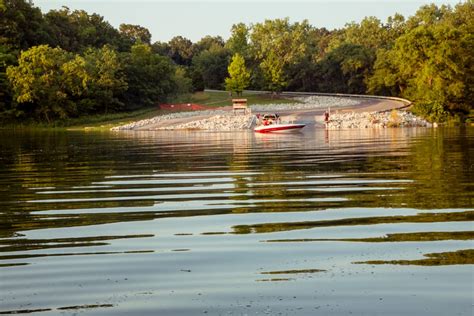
270, 128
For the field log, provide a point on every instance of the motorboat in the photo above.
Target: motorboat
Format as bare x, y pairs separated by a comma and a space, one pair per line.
271, 123
279, 128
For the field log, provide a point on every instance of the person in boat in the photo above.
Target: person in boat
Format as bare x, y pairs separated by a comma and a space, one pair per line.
269, 119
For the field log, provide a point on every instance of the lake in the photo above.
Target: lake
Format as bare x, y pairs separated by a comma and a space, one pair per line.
362, 222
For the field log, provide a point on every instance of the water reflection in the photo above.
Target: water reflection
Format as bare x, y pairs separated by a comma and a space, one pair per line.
465, 256
419, 218
420, 236
65, 308
103, 217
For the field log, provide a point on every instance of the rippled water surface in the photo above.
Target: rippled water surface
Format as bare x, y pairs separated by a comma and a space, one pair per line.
373, 222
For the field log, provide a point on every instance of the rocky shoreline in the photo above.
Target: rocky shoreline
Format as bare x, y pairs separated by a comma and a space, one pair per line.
219, 123
394, 118
225, 120
164, 118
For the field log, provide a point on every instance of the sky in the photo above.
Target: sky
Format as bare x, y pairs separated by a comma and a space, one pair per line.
195, 19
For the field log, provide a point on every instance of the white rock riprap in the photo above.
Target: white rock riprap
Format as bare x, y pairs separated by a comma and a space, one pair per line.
221, 122
163, 118
376, 120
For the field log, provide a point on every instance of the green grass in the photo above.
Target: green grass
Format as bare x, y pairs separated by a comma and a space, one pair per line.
222, 98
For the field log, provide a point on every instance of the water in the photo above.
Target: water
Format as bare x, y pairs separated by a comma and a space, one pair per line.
190, 223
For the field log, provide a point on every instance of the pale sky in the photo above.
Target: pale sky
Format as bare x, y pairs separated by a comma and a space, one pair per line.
195, 19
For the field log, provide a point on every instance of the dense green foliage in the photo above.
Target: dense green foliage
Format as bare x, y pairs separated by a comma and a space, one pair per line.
210, 61
150, 77
277, 45
77, 30
51, 83
432, 62
64, 63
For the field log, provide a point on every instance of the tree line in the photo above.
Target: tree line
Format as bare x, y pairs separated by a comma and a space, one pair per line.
65, 63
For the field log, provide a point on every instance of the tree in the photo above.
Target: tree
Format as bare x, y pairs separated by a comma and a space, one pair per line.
345, 69
22, 25
238, 43
385, 79
277, 44
181, 50
184, 84
105, 81
196, 79
135, 33
161, 48
212, 65
369, 33
429, 14
150, 77
7, 58
239, 76
304, 75
208, 43
38, 82
396, 26
432, 62
272, 68
77, 30
50, 83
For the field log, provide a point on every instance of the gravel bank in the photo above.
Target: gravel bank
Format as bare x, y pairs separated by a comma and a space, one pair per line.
222, 122
163, 118
393, 118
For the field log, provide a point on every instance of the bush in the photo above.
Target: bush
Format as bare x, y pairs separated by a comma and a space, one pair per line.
394, 119
432, 111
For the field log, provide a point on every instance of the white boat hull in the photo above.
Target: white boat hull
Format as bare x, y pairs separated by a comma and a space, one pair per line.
279, 128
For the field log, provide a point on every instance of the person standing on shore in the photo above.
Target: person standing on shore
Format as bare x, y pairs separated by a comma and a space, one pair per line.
326, 118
